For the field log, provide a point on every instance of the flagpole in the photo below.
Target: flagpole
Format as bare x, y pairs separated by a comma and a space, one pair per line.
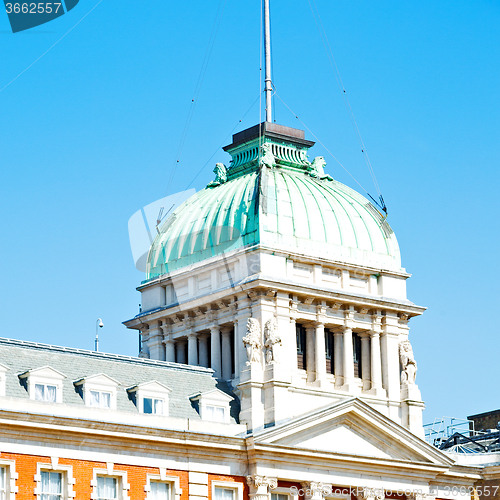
267, 51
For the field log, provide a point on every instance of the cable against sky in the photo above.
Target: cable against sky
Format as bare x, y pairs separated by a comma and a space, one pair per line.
51, 47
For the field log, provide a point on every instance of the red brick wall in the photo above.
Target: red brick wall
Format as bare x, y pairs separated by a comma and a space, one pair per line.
26, 467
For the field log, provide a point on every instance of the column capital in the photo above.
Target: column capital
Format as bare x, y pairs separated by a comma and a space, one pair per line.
192, 334
315, 490
257, 481
370, 494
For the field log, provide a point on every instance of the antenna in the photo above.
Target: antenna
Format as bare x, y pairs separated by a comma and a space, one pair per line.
267, 51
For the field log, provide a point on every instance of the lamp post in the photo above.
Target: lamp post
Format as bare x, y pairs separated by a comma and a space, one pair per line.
98, 324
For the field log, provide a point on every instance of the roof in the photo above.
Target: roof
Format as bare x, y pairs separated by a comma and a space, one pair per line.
21, 356
291, 205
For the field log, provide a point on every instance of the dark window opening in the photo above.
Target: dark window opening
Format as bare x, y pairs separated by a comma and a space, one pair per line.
330, 358
301, 347
356, 351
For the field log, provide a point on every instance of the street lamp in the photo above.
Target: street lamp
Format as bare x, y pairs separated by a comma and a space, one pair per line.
98, 324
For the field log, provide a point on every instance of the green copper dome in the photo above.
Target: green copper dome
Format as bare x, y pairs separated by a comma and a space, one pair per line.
272, 196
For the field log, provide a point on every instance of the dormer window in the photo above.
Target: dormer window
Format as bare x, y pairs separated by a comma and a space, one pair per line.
100, 399
153, 405
45, 392
98, 391
44, 384
151, 397
213, 405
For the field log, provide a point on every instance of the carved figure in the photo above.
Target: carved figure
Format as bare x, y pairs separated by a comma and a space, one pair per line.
317, 168
267, 159
272, 340
220, 172
252, 341
408, 363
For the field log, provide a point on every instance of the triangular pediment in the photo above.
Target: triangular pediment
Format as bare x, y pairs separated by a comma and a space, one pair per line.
352, 428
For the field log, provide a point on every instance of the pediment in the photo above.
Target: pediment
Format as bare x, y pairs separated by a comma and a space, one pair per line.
352, 428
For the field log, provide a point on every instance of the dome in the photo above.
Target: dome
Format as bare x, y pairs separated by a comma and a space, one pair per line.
272, 196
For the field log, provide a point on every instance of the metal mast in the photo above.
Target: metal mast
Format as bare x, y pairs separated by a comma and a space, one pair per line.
267, 51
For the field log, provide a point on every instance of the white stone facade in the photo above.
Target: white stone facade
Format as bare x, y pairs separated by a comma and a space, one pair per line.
350, 319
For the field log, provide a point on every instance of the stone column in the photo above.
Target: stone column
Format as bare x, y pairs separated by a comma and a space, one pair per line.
311, 370
155, 343
338, 359
348, 361
226, 354
376, 365
169, 349
260, 487
144, 352
365, 360
192, 349
320, 354
180, 346
215, 360
203, 355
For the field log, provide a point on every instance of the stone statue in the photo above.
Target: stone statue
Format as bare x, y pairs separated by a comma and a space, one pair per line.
267, 159
272, 340
408, 363
220, 172
252, 341
317, 169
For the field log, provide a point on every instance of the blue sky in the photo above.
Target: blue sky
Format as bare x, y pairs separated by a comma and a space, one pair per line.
89, 135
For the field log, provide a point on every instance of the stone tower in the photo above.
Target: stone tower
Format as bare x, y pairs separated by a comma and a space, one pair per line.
287, 283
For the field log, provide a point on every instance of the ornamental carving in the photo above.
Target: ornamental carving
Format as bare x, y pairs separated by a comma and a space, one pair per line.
220, 172
370, 494
317, 168
256, 481
252, 341
273, 340
408, 363
267, 159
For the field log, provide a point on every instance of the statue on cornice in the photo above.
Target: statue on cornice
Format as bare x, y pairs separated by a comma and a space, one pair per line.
408, 363
317, 168
220, 172
272, 340
252, 341
267, 158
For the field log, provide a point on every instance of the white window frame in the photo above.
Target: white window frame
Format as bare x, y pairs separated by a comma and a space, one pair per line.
282, 491
151, 390
3, 376
10, 478
172, 481
45, 392
46, 375
215, 398
122, 484
99, 383
100, 398
237, 487
66, 471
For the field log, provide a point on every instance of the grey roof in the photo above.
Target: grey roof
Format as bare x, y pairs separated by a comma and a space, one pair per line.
184, 380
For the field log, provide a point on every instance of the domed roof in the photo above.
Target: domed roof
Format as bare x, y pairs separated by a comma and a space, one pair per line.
274, 197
